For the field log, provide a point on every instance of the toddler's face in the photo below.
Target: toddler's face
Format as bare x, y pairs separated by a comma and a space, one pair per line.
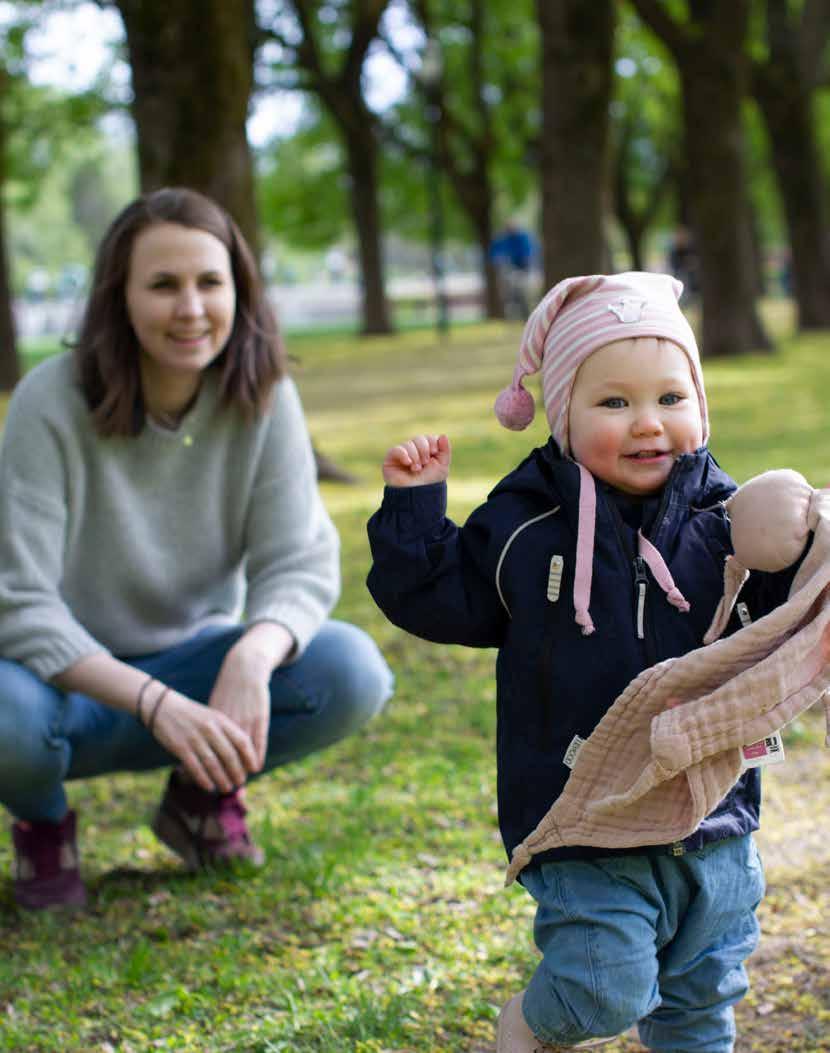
633, 410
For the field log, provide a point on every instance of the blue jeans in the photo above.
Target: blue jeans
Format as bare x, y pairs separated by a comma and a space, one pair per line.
48, 738
651, 939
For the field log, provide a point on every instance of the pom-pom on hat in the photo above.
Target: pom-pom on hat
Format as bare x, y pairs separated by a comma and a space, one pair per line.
579, 316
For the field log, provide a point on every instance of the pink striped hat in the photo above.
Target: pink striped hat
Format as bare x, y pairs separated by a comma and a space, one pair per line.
579, 316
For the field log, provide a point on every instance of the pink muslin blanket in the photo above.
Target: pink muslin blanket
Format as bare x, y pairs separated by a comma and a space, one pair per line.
669, 749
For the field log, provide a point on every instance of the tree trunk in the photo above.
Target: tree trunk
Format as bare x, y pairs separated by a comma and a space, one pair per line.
577, 50
362, 151
9, 362
340, 91
192, 75
710, 52
712, 97
493, 299
634, 240
632, 226
784, 99
474, 192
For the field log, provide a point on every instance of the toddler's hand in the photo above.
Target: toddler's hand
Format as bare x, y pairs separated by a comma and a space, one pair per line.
420, 460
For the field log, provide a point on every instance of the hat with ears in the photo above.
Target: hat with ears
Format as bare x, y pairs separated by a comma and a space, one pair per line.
579, 316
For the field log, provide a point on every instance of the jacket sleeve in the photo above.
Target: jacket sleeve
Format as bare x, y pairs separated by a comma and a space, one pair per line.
431, 577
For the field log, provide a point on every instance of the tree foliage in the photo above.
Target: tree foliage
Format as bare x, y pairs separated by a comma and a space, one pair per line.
303, 188
36, 127
359, 168
321, 48
477, 116
785, 72
646, 143
709, 45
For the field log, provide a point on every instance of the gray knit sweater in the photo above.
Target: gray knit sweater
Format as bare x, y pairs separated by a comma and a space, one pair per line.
133, 544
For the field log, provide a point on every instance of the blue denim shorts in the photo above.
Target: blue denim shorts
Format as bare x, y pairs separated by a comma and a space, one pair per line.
647, 938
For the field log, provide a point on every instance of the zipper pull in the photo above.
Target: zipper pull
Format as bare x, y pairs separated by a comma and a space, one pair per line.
641, 584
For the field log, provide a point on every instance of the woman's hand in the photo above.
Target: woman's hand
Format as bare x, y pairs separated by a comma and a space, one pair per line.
420, 460
215, 752
242, 689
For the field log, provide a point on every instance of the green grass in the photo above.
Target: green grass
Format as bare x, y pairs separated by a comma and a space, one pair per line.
380, 924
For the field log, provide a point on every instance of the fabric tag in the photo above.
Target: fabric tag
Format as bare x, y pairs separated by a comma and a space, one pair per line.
555, 578
570, 754
766, 751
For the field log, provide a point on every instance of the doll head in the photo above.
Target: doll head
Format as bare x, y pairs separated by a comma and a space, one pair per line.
770, 518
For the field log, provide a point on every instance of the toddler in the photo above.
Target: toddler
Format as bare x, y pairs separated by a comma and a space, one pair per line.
600, 555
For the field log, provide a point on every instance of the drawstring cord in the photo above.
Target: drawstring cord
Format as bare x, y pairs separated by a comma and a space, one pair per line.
585, 550
662, 576
583, 572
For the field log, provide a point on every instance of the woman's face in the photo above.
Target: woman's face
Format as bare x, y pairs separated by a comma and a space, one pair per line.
181, 300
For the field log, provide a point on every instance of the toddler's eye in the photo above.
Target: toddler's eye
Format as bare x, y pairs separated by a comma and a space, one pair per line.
615, 402
670, 399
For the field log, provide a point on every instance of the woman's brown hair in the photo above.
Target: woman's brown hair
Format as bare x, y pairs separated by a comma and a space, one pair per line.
106, 350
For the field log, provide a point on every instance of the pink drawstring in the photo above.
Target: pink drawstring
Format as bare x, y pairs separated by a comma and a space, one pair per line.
585, 550
658, 568
583, 573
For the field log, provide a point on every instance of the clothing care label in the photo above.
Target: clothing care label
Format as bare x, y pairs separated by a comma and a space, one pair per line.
570, 754
766, 751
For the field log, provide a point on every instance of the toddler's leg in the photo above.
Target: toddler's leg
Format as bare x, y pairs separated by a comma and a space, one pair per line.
596, 926
702, 974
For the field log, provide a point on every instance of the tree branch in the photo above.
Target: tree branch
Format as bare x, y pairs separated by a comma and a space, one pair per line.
307, 52
813, 34
364, 31
661, 23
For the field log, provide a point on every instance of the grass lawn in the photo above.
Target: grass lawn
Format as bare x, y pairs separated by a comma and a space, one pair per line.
380, 924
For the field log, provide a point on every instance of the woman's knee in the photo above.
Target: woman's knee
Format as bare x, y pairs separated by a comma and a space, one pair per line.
32, 749
360, 679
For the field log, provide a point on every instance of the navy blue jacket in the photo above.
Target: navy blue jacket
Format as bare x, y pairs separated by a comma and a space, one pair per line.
486, 585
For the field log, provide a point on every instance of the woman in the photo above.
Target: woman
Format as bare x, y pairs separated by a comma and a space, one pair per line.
153, 483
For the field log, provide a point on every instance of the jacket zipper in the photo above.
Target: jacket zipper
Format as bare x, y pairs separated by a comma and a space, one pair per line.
640, 590
640, 583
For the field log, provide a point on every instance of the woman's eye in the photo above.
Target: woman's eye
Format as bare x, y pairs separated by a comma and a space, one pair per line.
613, 403
163, 283
211, 282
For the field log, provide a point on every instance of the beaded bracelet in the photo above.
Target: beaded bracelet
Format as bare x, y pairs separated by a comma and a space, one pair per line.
156, 708
140, 698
